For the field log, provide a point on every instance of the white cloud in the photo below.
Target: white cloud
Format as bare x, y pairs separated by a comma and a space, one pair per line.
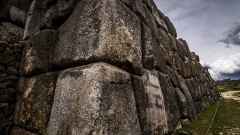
226, 67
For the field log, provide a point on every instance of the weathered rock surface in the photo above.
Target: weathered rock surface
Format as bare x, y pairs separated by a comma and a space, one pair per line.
94, 99
100, 31
150, 103
37, 53
96, 67
37, 98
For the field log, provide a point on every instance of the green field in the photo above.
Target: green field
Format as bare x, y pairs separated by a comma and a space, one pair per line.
227, 119
228, 85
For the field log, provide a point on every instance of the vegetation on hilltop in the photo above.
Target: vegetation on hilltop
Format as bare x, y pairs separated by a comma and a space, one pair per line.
228, 85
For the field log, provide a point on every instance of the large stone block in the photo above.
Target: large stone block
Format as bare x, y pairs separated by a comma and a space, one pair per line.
150, 103
152, 55
182, 104
170, 101
37, 53
34, 110
17, 16
94, 99
35, 14
185, 90
57, 13
100, 31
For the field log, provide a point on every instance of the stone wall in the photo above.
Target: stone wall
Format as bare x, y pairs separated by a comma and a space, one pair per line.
99, 67
11, 32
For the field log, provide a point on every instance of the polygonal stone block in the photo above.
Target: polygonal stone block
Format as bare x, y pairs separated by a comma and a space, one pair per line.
94, 99
150, 103
100, 31
37, 99
37, 53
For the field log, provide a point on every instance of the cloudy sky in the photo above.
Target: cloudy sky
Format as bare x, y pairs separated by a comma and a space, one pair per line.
212, 30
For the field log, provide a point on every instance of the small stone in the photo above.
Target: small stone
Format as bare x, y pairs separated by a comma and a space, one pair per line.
13, 78
12, 71
6, 84
3, 44
3, 77
183, 133
17, 49
9, 51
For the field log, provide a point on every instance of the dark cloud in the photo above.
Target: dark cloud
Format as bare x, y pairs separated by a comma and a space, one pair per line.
234, 76
232, 36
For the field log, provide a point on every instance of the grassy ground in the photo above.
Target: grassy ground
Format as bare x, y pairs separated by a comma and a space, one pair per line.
227, 119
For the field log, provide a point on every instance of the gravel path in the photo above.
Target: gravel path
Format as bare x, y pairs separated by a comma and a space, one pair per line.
228, 95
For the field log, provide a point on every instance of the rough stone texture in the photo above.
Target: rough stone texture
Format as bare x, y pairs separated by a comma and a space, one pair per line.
58, 13
168, 86
94, 99
37, 53
10, 32
170, 101
17, 15
151, 53
37, 99
20, 131
10, 57
150, 103
100, 31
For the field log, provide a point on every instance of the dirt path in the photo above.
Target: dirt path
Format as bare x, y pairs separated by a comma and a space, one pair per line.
228, 95
228, 130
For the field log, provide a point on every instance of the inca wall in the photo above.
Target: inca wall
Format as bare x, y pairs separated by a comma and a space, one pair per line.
96, 67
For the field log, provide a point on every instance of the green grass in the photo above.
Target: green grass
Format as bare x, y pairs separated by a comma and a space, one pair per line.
228, 116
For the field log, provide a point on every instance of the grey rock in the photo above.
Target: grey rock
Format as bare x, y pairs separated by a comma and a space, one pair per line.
183, 133
170, 101
34, 15
158, 15
152, 54
150, 103
182, 104
36, 56
12, 71
183, 87
148, 48
10, 32
58, 13
94, 99
150, 21
111, 33
170, 26
17, 16
173, 42
159, 63
37, 99
19, 98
